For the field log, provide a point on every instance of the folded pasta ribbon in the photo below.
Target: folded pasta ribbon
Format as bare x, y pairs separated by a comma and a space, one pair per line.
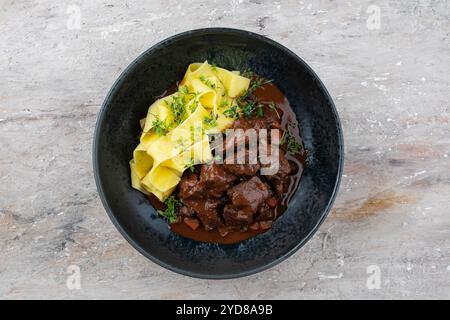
175, 130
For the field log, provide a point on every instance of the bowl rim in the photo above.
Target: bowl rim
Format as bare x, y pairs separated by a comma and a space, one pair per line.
98, 182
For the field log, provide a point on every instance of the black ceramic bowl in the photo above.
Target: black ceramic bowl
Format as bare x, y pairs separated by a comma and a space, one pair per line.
116, 135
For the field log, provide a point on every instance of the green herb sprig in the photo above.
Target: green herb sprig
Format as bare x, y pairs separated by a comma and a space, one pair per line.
211, 121
232, 112
293, 147
177, 107
160, 127
257, 82
248, 73
172, 205
273, 106
208, 82
259, 110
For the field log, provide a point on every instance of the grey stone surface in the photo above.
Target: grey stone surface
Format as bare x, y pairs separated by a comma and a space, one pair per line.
391, 88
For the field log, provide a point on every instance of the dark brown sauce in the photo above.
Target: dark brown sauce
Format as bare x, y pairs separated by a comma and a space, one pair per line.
212, 236
265, 94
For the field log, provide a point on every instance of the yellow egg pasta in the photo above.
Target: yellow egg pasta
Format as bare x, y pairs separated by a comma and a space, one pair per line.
135, 180
175, 130
198, 153
142, 161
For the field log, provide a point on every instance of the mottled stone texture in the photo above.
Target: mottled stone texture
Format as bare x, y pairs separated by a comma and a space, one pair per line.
390, 86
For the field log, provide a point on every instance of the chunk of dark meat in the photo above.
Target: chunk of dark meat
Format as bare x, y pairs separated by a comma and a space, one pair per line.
243, 164
246, 199
216, 179
249, 194
244, 170
207, 211
190, 186
185, 211
272, 116
250, 123
237, 217
272, 202
279, 179
265, 212
271, 119
285, 166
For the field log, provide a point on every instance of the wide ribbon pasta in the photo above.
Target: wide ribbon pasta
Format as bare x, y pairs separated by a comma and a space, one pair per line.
175, 130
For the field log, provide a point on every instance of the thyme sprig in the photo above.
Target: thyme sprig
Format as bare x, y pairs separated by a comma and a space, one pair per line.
273, 106
208, 82
288, 139
172, 205
211, 121
160, 127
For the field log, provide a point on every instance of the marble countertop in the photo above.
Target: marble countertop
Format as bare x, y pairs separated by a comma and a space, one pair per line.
386, 65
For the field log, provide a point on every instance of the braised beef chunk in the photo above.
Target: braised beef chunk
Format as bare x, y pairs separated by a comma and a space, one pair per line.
285, 167
272, 202
242, 169
244, 165
272, 115
250, 123
185, 211
216, 179
249, 195
279, 179
265, 212
271, 119
207, 211
234, 216
246, 199
190, 186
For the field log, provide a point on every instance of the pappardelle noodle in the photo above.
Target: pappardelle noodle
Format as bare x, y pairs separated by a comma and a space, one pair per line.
175, 131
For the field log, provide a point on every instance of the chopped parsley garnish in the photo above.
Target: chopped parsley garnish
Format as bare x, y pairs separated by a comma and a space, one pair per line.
208, 82
273, 106
171, 207
184, 90
259, 110
211, 121
160, 127
213, 67
293, 147
177, 107
194, 103
248, 108
256, 83
248, 73
232, 112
